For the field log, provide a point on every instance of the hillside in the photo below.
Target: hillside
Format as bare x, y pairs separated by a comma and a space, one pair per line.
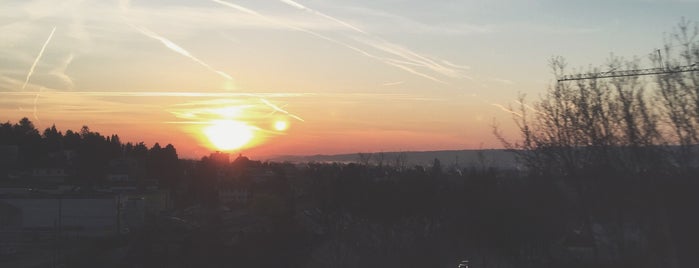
463, 158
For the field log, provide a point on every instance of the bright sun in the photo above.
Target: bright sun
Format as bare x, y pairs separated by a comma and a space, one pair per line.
281, 125
229, 135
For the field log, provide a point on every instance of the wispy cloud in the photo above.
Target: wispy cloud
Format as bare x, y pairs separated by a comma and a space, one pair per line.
390, 61
454, 65
240, 8
404, 53
156, 93
396, 23
389, 84
60, 71
318, 13
176, 48
529, 107
413, 57
508, 110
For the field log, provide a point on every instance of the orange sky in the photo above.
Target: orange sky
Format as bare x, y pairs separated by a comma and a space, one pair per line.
319, 124
346, 76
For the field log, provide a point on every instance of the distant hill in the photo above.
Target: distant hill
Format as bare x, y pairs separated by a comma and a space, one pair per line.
464, 158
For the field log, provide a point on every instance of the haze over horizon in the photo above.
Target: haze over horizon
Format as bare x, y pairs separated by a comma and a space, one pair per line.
304, 77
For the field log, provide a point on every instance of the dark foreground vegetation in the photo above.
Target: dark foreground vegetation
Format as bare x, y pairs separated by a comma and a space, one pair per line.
608, 178
369, 214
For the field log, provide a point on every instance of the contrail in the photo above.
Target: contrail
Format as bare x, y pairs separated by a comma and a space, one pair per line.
31, 71
174, 47
387, 46
453, 65
304, 8
153, 93
392, 62
38, 57
506, 109
243, 9
413, 71
60, 71
171, 45
529, 107
388, 84
410, 56
36, 99
276, 108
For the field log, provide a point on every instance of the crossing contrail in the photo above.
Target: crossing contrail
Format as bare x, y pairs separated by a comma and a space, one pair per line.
276, 108
60, 71
447, 68
389, 61
38, 57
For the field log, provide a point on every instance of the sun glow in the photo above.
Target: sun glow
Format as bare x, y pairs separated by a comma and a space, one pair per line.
229, 135
281, 125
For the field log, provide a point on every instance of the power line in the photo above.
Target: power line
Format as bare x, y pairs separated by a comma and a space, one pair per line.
638, 72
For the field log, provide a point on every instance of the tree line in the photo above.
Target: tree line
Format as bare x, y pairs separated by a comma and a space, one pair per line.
92, 153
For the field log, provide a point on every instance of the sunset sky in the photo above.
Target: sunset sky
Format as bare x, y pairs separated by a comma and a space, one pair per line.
305, 76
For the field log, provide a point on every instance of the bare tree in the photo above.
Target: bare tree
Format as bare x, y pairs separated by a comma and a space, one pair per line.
364, 158
400, 161
679, 92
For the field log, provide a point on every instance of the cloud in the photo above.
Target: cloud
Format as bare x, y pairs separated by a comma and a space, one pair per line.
406, 57
99, 25
176, 48
508, 110
154, 93
339, 21
454, 65
393, 23
389, 84
60, 71
412, 57
278, 109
